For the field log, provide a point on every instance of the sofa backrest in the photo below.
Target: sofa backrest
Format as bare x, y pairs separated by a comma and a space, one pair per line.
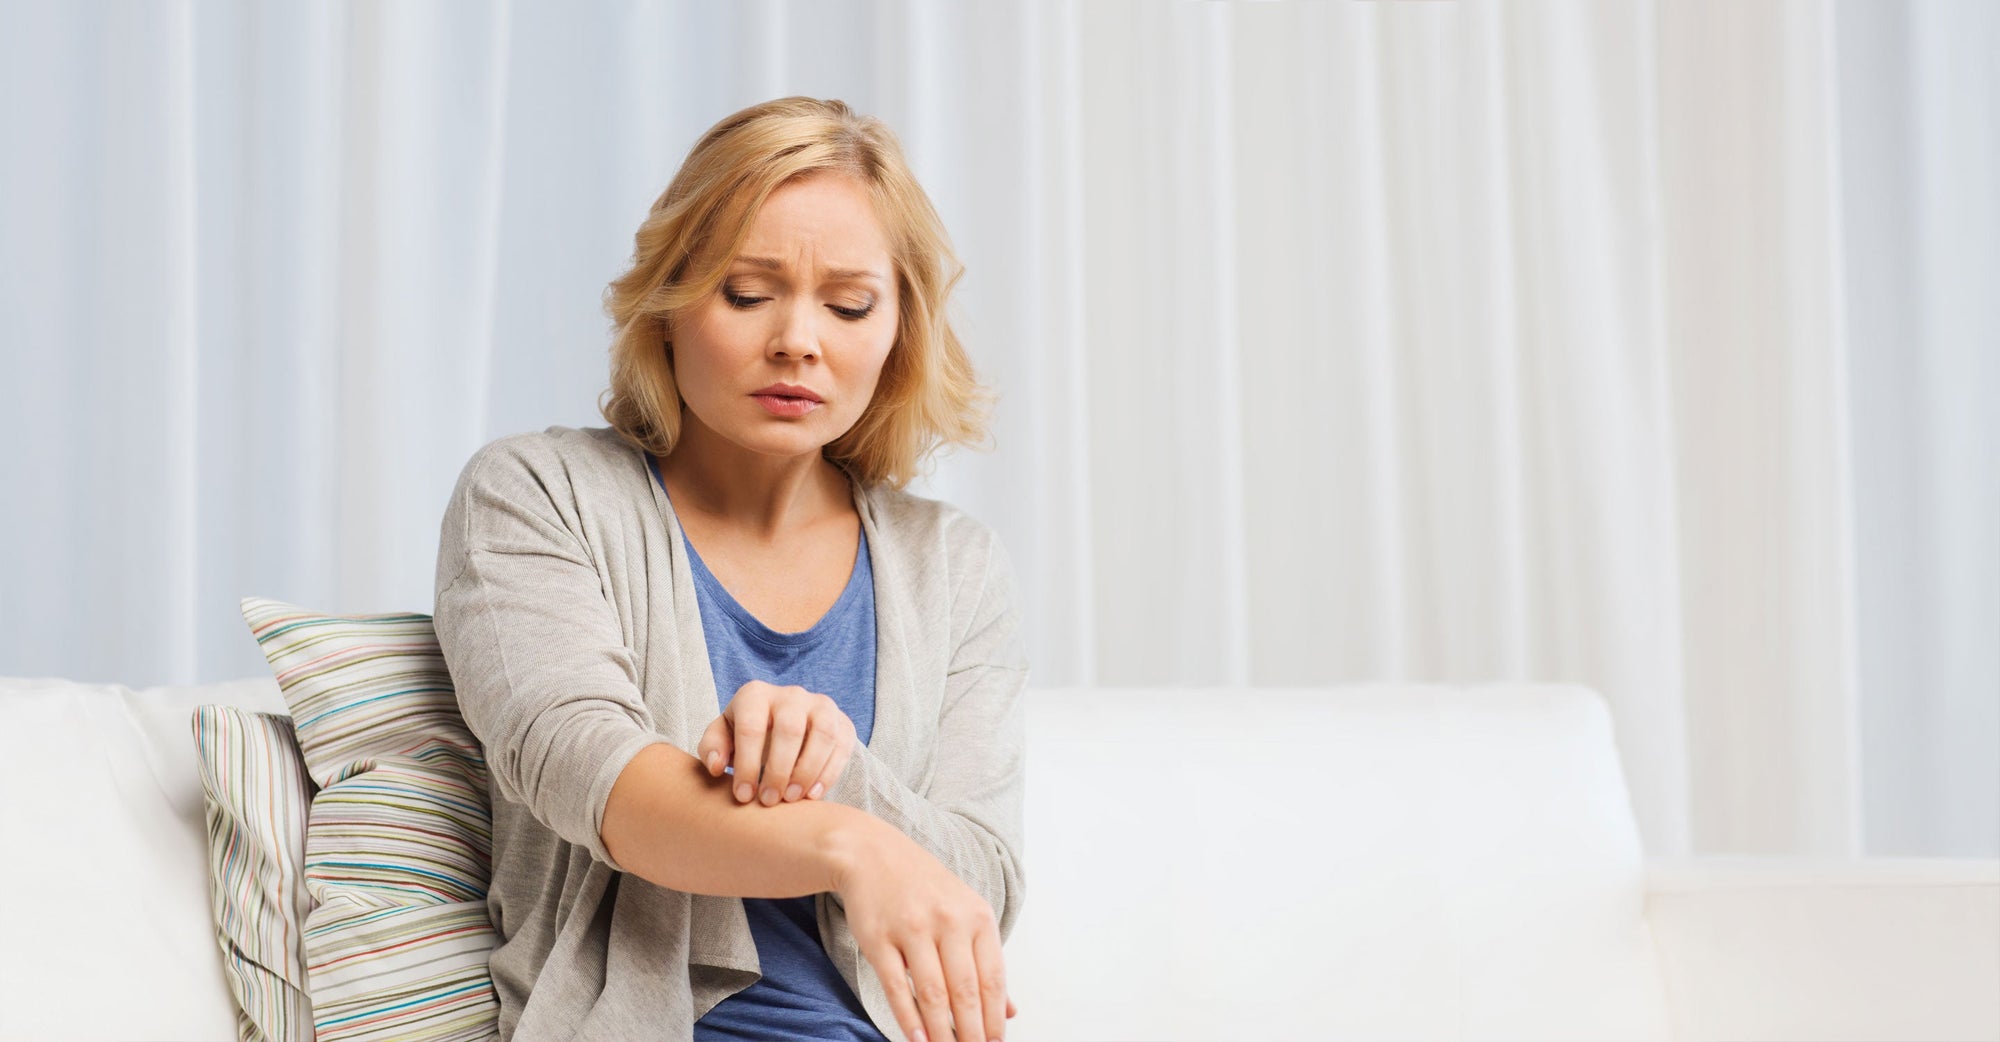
1370, 861
1403, 861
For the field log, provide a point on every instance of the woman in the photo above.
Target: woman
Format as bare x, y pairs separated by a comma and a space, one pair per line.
752, 712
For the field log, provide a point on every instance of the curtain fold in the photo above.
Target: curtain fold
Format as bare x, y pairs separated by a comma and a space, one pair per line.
1648, 346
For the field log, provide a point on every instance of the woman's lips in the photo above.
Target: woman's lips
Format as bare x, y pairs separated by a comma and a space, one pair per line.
779, 405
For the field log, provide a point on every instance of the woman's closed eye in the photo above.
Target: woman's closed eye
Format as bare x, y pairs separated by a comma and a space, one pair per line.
745, 303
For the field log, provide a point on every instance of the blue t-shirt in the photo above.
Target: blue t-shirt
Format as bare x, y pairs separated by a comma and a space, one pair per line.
800, 995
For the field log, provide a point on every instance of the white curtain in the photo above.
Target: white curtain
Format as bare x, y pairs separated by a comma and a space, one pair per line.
1648, 345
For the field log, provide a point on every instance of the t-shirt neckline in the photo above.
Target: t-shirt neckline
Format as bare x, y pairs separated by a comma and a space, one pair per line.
751, 624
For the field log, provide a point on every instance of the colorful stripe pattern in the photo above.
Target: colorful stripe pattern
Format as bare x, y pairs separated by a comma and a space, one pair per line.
256, 793
398, 847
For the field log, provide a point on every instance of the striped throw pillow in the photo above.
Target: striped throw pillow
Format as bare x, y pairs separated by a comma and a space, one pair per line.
255, 793
398, 849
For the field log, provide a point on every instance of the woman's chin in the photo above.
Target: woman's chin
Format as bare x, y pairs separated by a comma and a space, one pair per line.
779, 444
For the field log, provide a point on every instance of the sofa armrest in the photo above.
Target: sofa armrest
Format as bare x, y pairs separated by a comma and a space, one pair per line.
1779, 949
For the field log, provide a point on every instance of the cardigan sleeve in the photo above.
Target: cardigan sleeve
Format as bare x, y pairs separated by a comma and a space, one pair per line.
542, 674
970, 816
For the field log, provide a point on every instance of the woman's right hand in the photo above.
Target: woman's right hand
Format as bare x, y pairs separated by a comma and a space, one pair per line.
793, 742
910, 915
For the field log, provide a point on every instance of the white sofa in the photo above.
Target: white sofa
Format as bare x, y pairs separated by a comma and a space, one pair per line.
1369, 862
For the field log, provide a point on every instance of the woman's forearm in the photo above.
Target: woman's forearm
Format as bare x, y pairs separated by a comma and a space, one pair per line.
668, 822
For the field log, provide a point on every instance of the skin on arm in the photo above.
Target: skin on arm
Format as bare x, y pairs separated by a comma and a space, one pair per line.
670, 823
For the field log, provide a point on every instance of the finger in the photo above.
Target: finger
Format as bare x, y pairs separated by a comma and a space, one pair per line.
714, 748
752, 719
789, 721
992, 971
838, 762
895, 977
927, 982
962, 980
821, 740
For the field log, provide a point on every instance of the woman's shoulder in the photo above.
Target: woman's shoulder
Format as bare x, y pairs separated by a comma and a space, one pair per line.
557, 442
540, 481
577, 458
932, 526
970, 580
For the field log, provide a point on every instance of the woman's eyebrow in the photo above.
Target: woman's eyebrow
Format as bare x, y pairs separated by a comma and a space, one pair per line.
830, 274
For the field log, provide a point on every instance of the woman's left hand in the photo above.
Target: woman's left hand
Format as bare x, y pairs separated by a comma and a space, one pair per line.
793, 742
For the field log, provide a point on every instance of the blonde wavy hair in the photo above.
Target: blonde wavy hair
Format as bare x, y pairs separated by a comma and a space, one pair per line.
928, 395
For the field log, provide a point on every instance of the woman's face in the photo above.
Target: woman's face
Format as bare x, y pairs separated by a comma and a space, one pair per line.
810, 301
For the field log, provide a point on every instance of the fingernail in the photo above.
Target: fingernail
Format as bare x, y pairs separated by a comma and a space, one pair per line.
817, 789
920, 1036
743, 793
792, 792
712, 759
770, 796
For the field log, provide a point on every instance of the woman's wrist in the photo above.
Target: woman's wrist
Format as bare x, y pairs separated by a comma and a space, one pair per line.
851, 841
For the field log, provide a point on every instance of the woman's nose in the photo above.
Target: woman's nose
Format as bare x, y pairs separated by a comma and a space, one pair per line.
796, 336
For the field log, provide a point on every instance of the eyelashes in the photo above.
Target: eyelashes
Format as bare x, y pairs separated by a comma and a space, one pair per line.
745, 303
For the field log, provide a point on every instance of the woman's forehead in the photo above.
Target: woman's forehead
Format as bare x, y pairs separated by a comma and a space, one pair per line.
829, 221
826, 272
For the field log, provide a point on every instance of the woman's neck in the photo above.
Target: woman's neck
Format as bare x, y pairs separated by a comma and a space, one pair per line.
760, 496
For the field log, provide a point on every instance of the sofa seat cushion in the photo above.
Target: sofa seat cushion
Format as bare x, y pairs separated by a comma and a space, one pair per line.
107, 862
